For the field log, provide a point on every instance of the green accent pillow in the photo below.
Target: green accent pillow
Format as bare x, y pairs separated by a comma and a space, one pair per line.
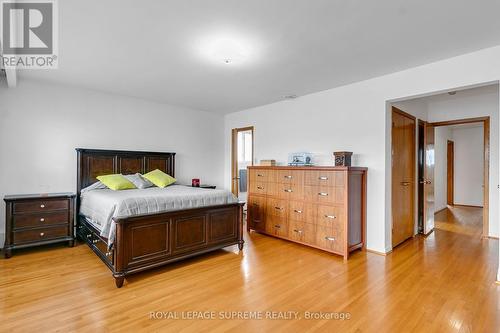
116, 182
159, 178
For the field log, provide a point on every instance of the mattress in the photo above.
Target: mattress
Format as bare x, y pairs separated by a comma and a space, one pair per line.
99, 207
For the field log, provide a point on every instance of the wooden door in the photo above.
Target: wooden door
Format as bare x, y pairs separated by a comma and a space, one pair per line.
403, 176
428, 179
450, 173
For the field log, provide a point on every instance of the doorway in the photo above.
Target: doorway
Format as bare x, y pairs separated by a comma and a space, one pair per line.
241, 157
451, 163
403, 176
425, 164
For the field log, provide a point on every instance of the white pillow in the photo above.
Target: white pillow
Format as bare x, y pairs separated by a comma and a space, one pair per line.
139, 181
96, 186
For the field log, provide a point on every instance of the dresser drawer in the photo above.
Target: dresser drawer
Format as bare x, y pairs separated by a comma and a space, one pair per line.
325, 178
324, 195
261, 175
289, 191
277, 207
258, 188
330, 216
277, 226
301, 211
290, 177
39, 235
40, 219
330, 239
302, 232
256, 213
40, 205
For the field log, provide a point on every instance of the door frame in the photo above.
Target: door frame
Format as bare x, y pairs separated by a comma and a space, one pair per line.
414, 170
450, 173
486, 159
234, 156
420, 175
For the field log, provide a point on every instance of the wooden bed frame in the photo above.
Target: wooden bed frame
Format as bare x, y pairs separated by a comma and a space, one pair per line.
146, 241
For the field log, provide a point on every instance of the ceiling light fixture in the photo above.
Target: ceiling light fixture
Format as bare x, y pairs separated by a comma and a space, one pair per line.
227, 49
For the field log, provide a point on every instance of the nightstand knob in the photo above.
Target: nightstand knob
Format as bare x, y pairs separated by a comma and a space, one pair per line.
42, 234
42, 206
42, 220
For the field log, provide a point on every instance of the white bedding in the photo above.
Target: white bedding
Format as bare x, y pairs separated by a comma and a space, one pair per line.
101, 206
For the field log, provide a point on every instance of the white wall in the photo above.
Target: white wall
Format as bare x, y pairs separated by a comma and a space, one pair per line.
441, 137
356, 117
41, 125
469, 166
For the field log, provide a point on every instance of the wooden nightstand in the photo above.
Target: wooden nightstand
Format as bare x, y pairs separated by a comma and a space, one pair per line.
38, 219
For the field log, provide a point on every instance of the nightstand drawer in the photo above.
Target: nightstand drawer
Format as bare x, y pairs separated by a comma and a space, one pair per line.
40, 205
40, 235
40, 219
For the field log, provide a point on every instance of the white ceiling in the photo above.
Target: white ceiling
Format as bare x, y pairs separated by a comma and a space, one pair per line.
151, 49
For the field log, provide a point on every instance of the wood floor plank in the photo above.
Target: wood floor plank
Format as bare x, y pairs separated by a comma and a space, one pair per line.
440, 283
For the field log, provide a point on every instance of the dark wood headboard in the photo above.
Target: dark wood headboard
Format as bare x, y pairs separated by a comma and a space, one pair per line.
96, 162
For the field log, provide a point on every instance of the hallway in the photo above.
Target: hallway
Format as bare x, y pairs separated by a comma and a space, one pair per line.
462, 220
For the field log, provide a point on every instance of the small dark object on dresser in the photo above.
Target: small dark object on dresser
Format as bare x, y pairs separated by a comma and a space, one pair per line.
342, 158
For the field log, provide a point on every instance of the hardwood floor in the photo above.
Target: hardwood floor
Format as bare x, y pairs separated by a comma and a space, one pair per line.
442, 283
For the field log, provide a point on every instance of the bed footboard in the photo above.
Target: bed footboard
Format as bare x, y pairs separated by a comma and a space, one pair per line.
148, 241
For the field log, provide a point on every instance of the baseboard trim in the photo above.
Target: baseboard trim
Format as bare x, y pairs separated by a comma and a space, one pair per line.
439, 211
430, 232
378, 252
490, 237
470, 206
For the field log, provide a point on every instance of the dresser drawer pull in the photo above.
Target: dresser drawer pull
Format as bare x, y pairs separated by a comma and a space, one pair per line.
42, 234
297, 211
42, 220
288, 177
260, 188
277, 226
323, 178
297, 231
288, 191
279, 208
42, 206
256, 221
323, 194
89, 236
108, 254
95, 241
329, 238
260, 175
330, 217
255, 205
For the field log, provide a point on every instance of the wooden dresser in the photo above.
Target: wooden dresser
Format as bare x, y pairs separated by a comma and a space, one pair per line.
322, 207
38, 219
